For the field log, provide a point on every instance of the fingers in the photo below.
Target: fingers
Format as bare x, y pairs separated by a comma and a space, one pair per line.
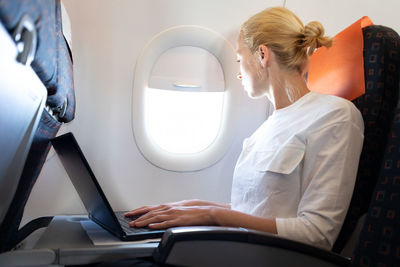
145, 209
165, 216
155, 215
138, 211
165, 224
158, 222
150, 220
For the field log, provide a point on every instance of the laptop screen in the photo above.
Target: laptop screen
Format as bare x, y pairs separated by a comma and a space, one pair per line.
85, 182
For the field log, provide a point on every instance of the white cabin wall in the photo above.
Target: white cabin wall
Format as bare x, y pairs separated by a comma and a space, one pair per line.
107, 37
336, 15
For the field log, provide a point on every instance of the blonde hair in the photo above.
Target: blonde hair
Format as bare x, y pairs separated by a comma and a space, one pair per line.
283, 32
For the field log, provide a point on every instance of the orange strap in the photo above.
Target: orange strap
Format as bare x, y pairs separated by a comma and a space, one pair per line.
339, 70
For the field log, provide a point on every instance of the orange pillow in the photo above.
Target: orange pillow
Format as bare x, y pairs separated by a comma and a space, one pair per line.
339, 70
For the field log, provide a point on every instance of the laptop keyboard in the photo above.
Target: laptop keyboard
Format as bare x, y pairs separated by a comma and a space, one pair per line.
124, 221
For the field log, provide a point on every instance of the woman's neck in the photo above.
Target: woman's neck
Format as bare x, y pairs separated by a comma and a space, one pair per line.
286, 88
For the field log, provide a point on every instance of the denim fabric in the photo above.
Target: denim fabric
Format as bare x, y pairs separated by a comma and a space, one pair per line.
52, 62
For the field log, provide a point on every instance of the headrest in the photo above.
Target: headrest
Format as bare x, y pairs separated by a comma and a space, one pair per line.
339, 70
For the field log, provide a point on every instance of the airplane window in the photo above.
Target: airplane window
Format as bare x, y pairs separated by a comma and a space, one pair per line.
184, 100
183, 122
183, 107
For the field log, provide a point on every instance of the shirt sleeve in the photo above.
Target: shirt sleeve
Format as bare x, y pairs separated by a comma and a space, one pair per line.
329, 172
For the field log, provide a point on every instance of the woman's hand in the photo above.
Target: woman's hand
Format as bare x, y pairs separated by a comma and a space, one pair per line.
145, 209
166, 216
184, 203
197, 212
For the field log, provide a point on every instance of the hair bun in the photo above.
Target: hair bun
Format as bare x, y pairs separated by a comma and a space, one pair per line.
314, 37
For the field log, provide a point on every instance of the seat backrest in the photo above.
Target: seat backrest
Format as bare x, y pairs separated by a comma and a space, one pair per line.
379, 240
53, 65
377, 106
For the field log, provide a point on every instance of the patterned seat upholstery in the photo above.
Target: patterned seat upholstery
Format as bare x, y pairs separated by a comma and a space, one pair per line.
379, 241
378, 179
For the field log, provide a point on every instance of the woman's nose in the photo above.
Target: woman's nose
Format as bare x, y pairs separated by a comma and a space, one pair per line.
239, 76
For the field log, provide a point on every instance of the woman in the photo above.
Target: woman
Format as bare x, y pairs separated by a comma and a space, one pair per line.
296, 173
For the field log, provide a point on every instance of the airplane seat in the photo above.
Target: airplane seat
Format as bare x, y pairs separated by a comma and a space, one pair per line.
377, 106
376, 193
52, 63
379, 240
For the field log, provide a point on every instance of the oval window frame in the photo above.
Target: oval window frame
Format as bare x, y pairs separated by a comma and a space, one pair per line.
216, 44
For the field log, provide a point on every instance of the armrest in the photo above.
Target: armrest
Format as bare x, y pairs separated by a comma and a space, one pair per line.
225, 246
32, 257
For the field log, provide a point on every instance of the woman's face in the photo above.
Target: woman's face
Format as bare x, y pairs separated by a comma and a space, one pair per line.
251, 73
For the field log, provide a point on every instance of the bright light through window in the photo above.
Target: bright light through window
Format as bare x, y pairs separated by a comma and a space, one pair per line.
183, 122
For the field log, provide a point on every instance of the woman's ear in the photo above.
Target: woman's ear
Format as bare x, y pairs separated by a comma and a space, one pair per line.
264, 55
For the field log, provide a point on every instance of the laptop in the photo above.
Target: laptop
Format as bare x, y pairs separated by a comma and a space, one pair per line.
91, 194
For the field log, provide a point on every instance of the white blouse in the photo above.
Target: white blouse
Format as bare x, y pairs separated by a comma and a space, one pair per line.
300, 167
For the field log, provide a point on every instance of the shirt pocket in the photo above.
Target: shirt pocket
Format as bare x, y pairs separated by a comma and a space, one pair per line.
283, 160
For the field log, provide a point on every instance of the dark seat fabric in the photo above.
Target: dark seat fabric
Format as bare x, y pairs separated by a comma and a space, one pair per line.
53, 65
379, 241
377, 105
